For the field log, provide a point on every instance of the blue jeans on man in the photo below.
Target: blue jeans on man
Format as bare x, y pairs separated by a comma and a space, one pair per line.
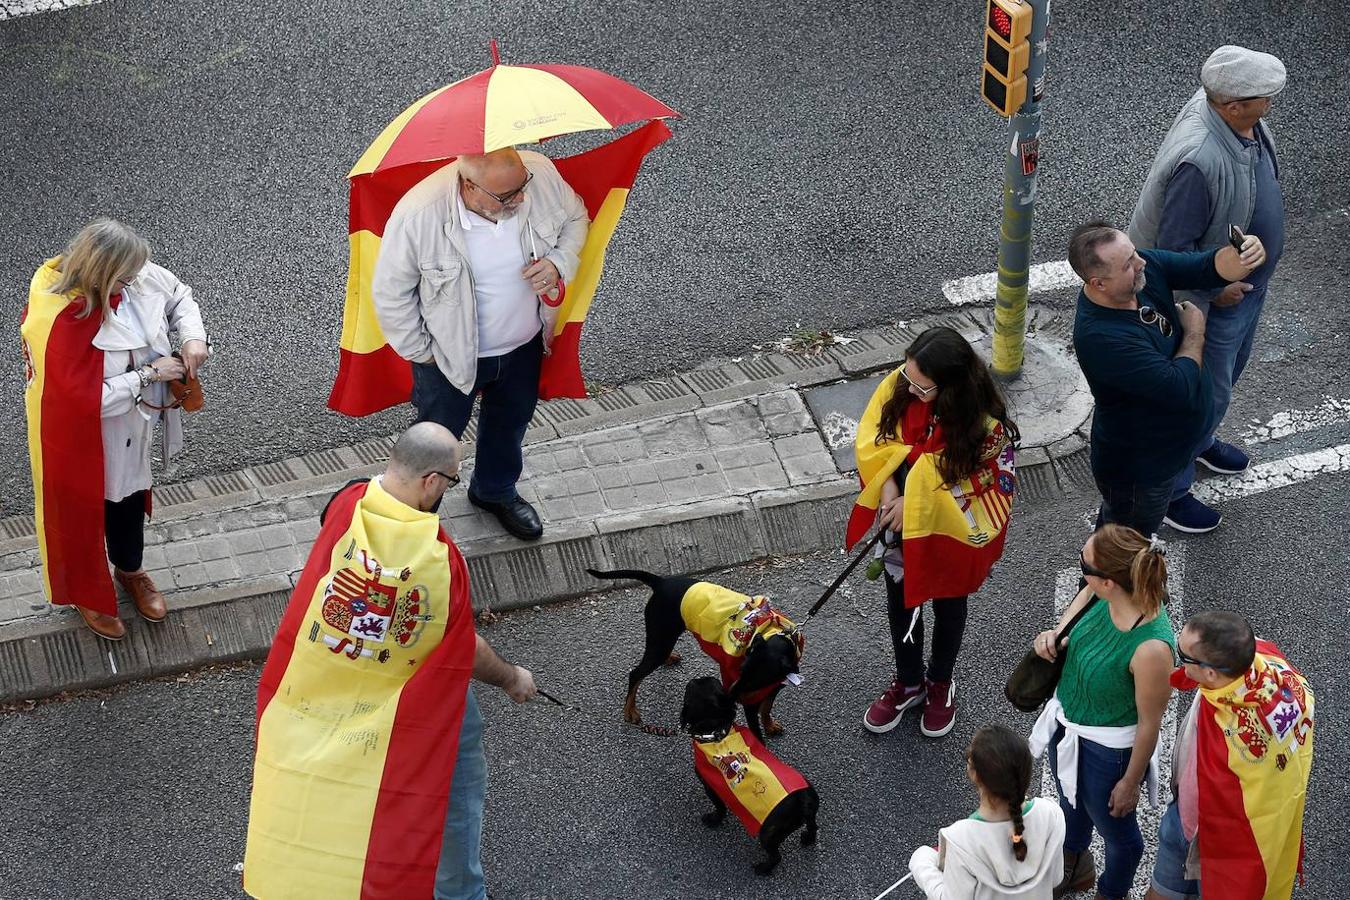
1140, 505
509, 385
1229, 332
1169, 868
1099, 769
459, 875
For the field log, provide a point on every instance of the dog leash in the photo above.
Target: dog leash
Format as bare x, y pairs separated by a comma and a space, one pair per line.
894, 886
829, 591
658, 730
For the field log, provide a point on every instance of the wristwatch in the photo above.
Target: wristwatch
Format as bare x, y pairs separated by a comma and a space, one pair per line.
147, 374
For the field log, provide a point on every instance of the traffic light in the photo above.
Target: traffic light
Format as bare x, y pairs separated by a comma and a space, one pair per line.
1006, 54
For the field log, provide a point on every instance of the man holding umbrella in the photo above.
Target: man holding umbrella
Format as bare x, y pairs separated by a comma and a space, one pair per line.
470, 270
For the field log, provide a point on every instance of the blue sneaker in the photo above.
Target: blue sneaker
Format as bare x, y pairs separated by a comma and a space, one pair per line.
1191, 516
1224, 459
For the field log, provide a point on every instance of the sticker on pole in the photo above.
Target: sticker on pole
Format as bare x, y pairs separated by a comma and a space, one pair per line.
1030, 151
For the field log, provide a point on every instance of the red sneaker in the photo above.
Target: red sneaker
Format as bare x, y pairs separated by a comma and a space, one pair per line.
939, 710
886, 712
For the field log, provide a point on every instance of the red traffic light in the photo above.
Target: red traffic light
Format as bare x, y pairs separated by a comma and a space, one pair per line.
1000, 22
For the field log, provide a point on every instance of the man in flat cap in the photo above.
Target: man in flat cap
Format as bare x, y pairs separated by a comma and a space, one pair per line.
1217, 168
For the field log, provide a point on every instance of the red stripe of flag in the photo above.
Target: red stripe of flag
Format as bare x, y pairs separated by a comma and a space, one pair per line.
455, 117
409, 819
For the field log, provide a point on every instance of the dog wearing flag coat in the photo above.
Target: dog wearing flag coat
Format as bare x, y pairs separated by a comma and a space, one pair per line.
756, 647
737, 771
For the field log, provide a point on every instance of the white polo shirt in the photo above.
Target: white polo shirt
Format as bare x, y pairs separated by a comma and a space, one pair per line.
508, 311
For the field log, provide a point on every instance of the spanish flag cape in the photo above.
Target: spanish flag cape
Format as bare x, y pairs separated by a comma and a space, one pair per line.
750, 780
359, 709
1254, 747
726, 622
63, 400
372, 377
952, 536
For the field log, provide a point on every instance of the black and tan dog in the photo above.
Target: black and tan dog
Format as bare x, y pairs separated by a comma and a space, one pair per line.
771, 798
756, 647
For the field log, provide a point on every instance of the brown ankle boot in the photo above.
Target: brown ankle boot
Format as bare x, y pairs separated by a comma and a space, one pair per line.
110, 628
1080, 874
149, 601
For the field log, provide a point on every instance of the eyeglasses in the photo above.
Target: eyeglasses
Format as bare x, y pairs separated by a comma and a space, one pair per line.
503, 199
923, 391
128, 280
1150, 316
1187, 659
453, 479
1088, 568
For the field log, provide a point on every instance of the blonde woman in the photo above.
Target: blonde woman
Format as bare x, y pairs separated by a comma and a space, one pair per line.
96, 340
1101, 727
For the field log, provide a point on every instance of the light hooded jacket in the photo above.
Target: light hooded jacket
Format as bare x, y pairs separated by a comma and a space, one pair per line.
423, 288
974, 859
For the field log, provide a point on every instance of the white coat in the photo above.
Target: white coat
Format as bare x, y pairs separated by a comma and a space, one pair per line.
975, 859
136, 334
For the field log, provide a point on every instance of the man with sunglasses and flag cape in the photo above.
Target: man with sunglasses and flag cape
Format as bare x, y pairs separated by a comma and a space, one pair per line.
369, 776
1240, 768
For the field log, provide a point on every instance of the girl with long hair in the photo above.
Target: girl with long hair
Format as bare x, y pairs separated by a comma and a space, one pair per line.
935, 454
1011, 845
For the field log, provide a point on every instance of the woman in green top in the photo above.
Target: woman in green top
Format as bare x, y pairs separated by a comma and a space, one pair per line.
1102, 726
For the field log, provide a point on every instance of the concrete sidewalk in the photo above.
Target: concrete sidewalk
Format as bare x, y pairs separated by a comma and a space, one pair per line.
702, 470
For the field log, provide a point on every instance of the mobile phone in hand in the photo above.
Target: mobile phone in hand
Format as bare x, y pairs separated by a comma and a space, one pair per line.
1236, 237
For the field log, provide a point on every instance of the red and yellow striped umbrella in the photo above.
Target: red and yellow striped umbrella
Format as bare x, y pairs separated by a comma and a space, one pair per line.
502, 106
505, 106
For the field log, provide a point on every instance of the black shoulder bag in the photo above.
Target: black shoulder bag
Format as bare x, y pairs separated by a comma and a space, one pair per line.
1034, 680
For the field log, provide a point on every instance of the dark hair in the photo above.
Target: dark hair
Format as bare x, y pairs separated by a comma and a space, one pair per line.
1227, 638
1002, 762
966, 394
1083, 244
1134, 562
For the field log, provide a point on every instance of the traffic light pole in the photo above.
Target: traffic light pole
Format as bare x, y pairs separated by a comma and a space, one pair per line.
1019, 202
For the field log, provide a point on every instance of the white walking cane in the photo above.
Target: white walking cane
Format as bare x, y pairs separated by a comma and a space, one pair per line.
894, 886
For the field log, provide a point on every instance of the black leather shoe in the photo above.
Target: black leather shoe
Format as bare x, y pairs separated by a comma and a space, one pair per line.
517, 516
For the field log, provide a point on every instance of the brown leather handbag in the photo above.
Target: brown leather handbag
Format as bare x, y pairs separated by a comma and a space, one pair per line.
187, 394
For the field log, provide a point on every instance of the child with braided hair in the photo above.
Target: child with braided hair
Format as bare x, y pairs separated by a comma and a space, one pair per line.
1010, 846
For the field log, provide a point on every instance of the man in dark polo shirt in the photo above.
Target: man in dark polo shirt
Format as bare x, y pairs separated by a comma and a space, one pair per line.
1142, 354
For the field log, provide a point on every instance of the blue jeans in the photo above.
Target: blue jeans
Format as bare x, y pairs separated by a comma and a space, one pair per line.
459, 875
1229, 331
509, 385
1169, 869
1140, 506
1099, 768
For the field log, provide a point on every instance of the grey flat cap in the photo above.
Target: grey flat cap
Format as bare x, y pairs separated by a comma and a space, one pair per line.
1237, 72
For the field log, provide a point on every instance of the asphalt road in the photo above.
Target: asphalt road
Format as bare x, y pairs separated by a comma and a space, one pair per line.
833, 167
142, 792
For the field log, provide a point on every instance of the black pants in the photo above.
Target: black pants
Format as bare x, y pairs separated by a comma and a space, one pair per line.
949, 624
124, 530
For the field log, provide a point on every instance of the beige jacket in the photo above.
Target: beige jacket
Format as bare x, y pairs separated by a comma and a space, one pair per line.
423, 288
154, 310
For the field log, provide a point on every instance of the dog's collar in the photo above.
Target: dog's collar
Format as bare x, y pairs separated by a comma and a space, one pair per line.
711, 737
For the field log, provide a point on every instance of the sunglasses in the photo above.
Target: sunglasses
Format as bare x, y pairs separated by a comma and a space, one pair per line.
1150, 316
506, 198
923, 391
1187, 659
1088, 568
453, 479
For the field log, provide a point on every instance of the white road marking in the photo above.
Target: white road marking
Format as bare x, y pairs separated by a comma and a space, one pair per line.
1277, 473
13, 9
1066, 588
1050, 276
1331, 411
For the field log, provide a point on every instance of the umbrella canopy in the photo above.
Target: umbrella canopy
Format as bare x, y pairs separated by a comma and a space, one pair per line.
504, 106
